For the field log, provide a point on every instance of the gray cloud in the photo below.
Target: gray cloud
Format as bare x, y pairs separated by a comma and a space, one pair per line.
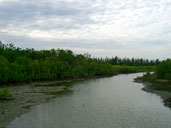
28, 13
101, 27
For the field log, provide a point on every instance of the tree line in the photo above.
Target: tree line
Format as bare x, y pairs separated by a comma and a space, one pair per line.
130, 62
19, 65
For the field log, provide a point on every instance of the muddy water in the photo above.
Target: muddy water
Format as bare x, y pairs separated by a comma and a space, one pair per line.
113, 102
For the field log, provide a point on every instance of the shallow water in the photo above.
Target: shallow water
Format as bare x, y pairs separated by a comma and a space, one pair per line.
113, 102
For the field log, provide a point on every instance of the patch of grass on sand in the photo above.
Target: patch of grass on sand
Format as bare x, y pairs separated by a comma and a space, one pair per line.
162, 86
5, 94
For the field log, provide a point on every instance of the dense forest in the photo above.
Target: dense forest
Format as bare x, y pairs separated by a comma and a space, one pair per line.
18, 65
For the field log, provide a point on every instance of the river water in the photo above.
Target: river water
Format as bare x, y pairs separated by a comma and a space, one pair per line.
112, 102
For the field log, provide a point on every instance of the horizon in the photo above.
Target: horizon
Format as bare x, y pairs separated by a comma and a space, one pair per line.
108, 28
86, 53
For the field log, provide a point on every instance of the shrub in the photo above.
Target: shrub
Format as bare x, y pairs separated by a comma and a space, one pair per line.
164, 70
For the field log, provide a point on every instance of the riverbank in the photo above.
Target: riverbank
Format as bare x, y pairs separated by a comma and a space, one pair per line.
116, 70
100, 103
159, 87
31, 94
27, 95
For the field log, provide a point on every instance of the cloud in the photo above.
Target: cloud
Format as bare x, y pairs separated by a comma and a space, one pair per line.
101, 25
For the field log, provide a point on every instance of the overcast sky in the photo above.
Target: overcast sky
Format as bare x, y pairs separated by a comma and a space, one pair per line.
127, 28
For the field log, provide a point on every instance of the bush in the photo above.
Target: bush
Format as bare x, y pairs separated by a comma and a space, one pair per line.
151, 77
164, 70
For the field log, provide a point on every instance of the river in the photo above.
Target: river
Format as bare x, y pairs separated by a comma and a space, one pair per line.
112, 102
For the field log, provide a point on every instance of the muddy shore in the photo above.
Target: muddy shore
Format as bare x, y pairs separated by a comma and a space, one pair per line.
27, 95
148, 87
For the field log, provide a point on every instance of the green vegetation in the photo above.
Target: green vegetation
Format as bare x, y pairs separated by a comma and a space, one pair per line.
149, 77
161, 78
164, 70
20, 65
157, 84
133, 69
162, 73
130, 62
162, 87
5, 94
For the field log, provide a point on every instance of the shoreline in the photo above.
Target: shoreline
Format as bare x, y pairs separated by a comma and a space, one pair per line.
148, 87
28, 95
51, 81
60, 80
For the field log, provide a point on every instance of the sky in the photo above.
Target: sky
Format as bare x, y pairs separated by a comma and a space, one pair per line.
126, 28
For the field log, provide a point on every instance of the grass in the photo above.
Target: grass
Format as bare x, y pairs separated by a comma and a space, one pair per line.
162, 87
5, 94
157, 84
133, 69
148, 77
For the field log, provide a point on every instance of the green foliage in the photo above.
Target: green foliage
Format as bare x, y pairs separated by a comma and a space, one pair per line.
151, 77
19, 65
133, 69
167, 76
4, 94
162, 87
130, 62
164, 70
